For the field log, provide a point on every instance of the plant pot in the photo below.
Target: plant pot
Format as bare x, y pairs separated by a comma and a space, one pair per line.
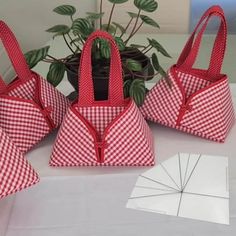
100, 71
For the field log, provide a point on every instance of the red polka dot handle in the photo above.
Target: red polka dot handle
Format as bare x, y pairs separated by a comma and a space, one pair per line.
190, 51
86, 92
15, 54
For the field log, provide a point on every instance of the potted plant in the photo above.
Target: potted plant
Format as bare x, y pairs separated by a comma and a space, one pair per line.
137, 66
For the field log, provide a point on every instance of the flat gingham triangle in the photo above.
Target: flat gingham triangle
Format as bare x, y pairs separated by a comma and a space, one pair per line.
15, 171
127, 136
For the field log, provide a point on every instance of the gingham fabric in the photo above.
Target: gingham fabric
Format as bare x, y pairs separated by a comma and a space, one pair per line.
15, 171
198, 101
30, 107
106, 133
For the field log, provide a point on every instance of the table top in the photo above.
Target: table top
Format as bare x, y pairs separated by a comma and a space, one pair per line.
99, 193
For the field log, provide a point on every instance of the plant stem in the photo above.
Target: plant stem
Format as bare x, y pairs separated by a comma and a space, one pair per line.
81, 39
71, 41
71, 17
48, 60
147, 50
53, 57
64, 37
127, 27
135, 25
114, 34
137, 29
100, 13
146, 76
109, 21
133, 74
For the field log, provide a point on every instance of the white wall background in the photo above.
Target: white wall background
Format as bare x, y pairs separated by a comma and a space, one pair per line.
30, 18
172, 16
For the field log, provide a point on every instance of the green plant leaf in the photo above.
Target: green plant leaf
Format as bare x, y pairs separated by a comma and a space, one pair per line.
137, 91
82, 26
127, 84
162, 72
34, 56
111, 29
158, 47
155, 62
66, 10
146, 5
120, 43
132, 14
56, 73
59, 30
94, 16
149, 21
120, 27
105, 48
133, 65
151, 72
118, 1
137, 46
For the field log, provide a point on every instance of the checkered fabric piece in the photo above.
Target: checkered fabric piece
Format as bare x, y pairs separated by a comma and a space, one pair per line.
127, 136
15, 171
24, 91
211, 115
192, 83
95, 115
22, 117
162, 103
51, 97
23, 122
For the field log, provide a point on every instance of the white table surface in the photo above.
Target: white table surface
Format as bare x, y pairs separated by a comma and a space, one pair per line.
167, 143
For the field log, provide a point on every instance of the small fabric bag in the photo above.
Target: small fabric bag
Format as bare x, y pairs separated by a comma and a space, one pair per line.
15, 171
199, 101
30, 107
103, 133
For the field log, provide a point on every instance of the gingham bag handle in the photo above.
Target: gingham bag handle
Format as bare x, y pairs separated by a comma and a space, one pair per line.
190, 51
86, 91
14, 53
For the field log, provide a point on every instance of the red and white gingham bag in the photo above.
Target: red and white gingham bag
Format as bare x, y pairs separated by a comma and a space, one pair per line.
199, 101
103, 133
30, 107
15, 171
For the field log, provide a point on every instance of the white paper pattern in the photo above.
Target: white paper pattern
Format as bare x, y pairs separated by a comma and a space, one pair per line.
187, 185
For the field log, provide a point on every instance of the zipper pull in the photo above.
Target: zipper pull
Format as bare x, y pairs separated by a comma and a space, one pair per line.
100, 146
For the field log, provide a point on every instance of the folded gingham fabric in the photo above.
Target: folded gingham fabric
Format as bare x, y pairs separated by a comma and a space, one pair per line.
198, 101
103, 133
15, 171
30, 107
